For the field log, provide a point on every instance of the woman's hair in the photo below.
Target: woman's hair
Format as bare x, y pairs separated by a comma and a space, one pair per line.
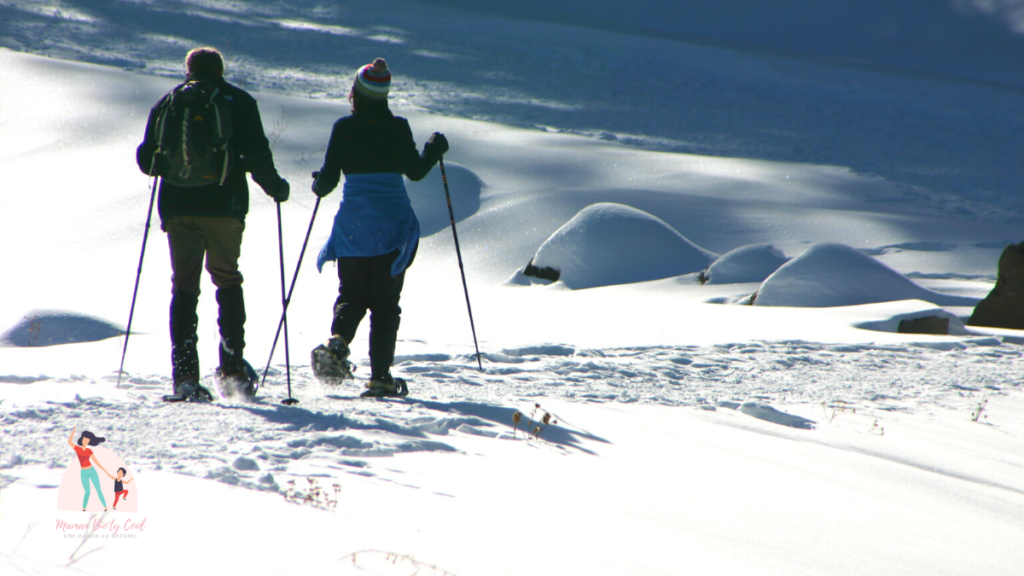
93, 439
122, 470
363, 105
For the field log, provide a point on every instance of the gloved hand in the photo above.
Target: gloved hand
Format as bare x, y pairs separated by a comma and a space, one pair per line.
436, 145
161, 165
316, 187
281, 191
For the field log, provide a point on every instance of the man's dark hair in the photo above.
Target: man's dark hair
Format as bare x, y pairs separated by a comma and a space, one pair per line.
204, 60
123, 470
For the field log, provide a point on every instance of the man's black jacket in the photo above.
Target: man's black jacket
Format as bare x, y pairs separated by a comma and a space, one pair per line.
251, 151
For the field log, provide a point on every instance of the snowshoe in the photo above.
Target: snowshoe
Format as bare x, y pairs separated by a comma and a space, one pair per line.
330, 361
189, 391
244, 383
386, 387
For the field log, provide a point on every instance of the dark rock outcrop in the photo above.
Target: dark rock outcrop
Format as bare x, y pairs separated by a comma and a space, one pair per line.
1004, 305
926, 325
545, 273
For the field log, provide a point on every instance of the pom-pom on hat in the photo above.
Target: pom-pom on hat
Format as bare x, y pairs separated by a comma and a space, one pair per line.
374, 80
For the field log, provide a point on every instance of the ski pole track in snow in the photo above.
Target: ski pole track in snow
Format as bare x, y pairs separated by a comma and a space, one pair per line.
332, 432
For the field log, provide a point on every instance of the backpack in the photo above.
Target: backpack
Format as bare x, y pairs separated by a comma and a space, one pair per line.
193, 131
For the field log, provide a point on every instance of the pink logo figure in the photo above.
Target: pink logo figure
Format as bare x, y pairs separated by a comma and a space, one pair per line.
81, 477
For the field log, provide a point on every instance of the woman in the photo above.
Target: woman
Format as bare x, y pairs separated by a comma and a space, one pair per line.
86, 458
375, 232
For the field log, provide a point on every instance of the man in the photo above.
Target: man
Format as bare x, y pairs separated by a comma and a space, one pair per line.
206, 220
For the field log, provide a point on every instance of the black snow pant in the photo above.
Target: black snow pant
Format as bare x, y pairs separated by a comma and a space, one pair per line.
367, 284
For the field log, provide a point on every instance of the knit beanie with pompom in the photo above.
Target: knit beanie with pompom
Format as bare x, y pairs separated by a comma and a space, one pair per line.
374, 80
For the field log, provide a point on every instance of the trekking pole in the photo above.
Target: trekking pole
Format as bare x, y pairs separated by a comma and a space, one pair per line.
291, 288
284, 312
138, 275
462, 270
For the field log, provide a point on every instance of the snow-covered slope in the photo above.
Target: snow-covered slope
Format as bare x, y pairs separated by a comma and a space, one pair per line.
976, 39
716, 438
947, 145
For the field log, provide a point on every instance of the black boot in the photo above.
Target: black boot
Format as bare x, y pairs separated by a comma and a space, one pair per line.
231, 319
383, 335
184, 354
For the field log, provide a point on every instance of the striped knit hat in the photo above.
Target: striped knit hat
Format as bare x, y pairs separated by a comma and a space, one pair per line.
374, 80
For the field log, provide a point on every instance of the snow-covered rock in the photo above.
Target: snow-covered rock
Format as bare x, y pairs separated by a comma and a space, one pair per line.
751, 263
831, 274
610, 243
53, 327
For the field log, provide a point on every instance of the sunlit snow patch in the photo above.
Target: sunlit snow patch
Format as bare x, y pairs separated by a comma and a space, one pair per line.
751, 263
831, 274
608, 243
52, 327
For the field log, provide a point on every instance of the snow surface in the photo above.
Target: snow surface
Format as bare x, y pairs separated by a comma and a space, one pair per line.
687, 435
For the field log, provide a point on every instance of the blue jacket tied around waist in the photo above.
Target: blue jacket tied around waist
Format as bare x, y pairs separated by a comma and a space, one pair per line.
375, 217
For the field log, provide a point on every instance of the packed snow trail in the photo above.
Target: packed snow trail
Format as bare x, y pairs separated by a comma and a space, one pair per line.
333, 431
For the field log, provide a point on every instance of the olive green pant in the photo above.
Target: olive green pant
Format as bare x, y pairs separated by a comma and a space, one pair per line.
192, 239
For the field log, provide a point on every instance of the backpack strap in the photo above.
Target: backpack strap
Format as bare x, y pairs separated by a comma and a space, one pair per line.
220, 135
161, 125
186, 169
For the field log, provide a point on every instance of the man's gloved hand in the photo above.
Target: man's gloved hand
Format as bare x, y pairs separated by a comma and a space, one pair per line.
281, 191
436, 145
316, 187
161, 165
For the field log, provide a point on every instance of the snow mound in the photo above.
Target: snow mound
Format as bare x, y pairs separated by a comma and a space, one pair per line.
53, 327
428, 201
831, 274
608, 243
751, 263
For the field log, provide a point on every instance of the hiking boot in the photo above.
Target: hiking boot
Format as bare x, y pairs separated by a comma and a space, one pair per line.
386, 386
330, 361
233, 381
191, 391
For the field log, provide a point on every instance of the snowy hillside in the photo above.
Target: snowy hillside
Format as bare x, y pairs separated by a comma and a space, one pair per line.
978, 39
686, 430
